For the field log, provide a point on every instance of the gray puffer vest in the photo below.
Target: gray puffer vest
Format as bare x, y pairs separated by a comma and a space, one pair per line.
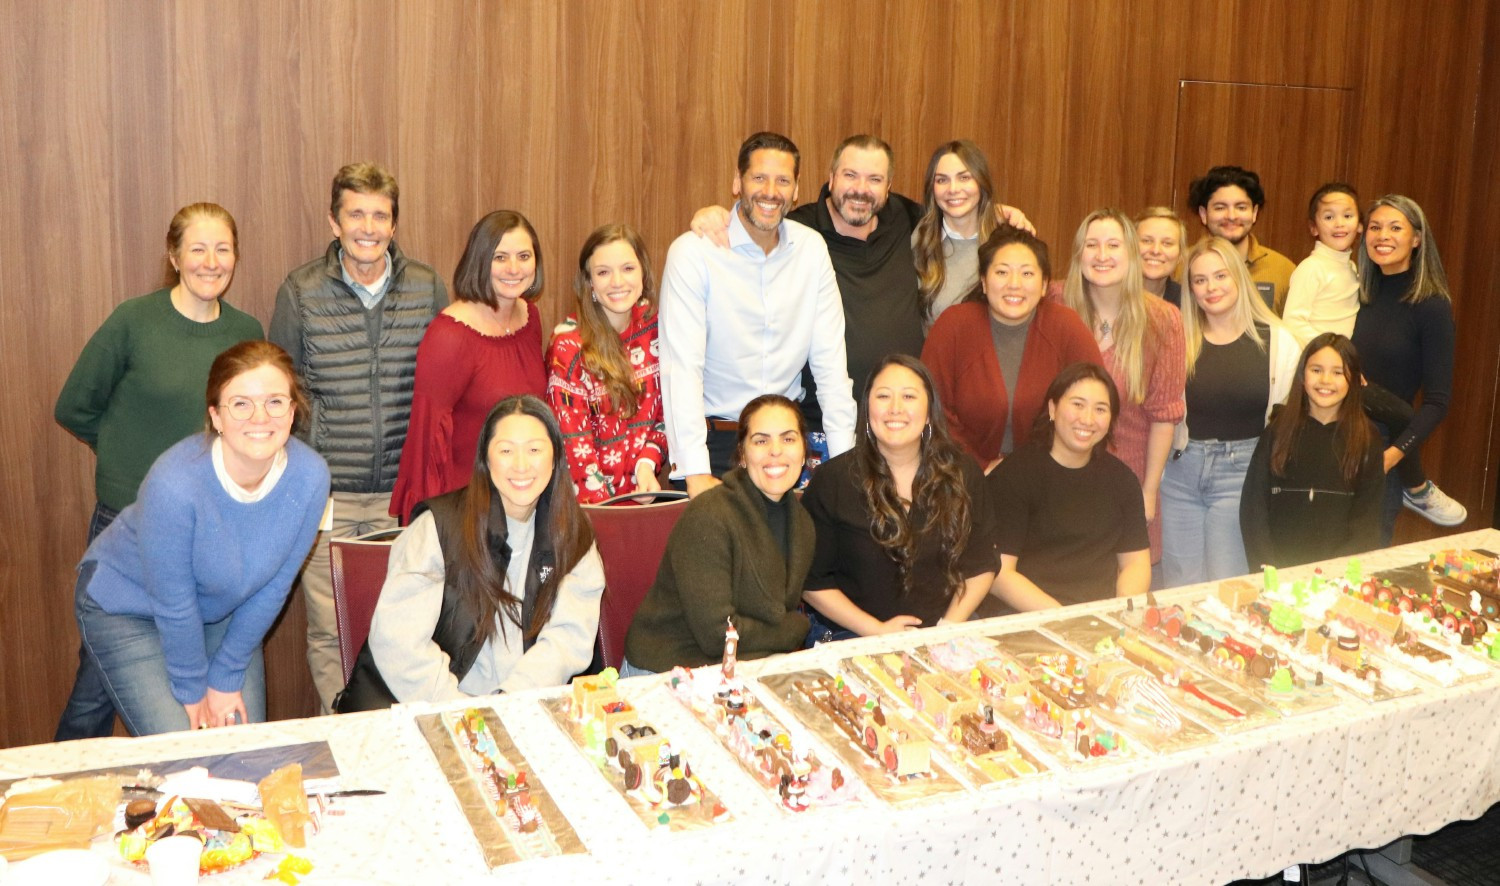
358, 365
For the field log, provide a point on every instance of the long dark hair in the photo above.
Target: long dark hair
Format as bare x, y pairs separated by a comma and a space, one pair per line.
1352, 440
1072, 374
928, 250
938, 488
481, 582
1428, 277
600, 347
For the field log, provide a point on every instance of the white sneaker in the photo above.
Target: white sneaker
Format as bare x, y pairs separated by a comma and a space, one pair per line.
1435, 504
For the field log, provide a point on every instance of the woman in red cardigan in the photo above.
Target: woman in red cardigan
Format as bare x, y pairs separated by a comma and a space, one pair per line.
993, 355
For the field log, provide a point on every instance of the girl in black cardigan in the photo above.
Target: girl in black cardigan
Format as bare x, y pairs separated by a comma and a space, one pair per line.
1313, 488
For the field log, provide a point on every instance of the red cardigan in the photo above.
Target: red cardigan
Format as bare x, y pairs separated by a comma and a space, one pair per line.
961, 356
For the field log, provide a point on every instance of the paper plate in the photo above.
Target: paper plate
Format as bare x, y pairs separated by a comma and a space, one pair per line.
75, 867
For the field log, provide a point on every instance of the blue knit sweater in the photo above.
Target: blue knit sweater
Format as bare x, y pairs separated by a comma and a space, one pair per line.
186, 554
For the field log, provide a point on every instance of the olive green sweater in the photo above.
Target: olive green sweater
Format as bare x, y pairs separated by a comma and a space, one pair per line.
722, 561
138, 387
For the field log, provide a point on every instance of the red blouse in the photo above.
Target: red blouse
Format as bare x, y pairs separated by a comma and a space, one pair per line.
602, 445
461, 374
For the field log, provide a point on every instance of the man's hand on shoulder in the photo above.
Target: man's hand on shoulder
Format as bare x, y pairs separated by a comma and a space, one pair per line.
712, 222
697, 484
1014, 217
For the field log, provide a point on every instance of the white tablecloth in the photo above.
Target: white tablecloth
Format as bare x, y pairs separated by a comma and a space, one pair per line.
1301, 790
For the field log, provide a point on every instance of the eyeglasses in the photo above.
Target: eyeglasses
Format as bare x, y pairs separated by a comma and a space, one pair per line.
243, 408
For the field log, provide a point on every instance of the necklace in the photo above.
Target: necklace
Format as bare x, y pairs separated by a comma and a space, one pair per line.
1104, 329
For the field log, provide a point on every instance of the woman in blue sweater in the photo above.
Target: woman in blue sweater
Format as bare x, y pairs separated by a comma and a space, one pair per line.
175, 597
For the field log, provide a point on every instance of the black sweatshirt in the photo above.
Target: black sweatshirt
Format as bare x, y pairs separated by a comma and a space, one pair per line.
1310, 513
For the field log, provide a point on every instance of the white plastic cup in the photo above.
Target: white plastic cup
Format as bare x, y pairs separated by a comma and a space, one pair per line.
174, 861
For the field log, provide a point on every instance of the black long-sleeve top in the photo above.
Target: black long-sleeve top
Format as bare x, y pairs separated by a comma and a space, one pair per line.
1310, 513
1407, 348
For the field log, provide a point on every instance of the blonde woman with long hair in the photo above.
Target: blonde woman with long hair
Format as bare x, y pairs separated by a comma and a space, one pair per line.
1140, 339
1241, 362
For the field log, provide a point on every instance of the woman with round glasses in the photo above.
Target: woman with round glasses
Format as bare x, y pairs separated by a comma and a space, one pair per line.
137, 387
174, 599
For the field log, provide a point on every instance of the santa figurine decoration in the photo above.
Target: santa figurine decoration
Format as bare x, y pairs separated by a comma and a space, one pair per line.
731, 651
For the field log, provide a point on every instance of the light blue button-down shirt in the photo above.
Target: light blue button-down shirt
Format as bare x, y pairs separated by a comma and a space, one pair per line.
737, 323
369, 296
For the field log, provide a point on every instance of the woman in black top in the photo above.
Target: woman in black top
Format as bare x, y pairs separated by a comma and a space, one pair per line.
1313, 488
1404, 333
1070, 523
902, 522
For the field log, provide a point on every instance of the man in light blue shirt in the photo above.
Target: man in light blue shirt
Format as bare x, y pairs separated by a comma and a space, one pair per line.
742, 322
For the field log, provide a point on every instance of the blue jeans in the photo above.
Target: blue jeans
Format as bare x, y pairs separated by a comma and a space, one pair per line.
124, 656
821, 630
1200, 512
89, 712
627, 669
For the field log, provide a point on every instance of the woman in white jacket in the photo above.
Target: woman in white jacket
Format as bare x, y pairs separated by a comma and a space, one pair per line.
1241, 362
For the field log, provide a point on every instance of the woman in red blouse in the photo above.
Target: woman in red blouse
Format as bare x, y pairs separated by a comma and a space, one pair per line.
484, 347
604, 376
1141, 341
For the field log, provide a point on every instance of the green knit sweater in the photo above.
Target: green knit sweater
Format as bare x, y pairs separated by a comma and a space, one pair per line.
722, 561
138, 387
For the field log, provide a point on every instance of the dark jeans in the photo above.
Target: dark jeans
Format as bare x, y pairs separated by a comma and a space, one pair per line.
90, 712
822, 630
1393, 414
99, 521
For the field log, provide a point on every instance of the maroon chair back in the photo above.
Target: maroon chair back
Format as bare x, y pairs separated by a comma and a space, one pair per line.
358, 575
631, 540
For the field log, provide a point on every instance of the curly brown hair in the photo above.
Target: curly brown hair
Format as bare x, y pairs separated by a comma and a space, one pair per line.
938, 489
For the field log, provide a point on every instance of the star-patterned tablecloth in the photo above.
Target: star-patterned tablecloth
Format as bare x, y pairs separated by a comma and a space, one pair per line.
1302, 789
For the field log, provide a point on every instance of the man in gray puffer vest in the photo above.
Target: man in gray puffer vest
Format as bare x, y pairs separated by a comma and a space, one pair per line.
351, 320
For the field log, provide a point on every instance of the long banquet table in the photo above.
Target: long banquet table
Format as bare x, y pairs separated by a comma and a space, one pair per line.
1302, 789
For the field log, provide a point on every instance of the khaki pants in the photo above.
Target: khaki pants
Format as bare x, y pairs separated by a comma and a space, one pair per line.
354, 514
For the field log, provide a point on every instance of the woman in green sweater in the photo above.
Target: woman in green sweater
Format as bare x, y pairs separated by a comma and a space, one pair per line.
137, 388
739, 553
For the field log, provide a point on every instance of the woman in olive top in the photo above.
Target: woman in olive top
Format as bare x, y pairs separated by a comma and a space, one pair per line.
739, 553
137, 388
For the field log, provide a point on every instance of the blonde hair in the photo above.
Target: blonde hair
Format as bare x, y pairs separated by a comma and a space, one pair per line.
1132, 326
1170, 215
1249, 307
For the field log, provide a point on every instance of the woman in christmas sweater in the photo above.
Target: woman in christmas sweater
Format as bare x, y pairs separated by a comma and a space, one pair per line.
604, 376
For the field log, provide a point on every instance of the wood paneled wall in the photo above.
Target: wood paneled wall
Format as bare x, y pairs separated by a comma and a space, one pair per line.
113, 113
